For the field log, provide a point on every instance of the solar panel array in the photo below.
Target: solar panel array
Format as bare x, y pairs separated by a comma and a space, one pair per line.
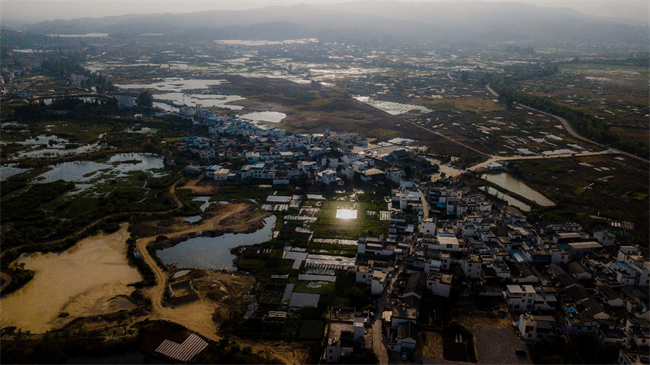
185, 351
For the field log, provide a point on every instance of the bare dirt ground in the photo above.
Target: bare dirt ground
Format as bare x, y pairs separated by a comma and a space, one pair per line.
430, 344
197, 316
485, 320
201, 186
226, 291
497, 346
236, 217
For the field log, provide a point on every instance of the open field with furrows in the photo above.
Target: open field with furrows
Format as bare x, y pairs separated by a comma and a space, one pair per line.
465, 104
501, 132
314, 109
617, 94
308, 108
602, 192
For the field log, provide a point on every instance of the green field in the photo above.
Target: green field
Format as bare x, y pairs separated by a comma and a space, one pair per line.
328, 226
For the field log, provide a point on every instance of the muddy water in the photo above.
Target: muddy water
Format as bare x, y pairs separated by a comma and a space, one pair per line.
82, 281
509, 183
213, 253
510, 200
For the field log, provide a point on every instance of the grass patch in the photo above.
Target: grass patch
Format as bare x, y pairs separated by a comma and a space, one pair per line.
463, 350
311, 329
263, 267
328, 226
430, 344
325, 289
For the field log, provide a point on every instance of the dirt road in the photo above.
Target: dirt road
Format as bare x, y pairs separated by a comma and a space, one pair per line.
450, 139
197, 316
6, 280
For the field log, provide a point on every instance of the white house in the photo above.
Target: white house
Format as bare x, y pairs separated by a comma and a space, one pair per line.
439, 284
329, 177
429, 227
472, 266
494, 166
520, 298
395, 174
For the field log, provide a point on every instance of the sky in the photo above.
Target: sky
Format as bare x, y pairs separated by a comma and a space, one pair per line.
15, 12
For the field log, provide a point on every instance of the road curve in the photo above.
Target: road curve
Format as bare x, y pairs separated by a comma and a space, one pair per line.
571, 131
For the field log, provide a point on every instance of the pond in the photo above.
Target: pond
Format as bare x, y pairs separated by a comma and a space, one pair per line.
72, 171
43, 140
213, 253
79, 171
145, 161
513, 185
81, 281
9, 170
175, 84
203, 100
166, 107
510, 200
58, 150
392, 107
206, 203
273, 117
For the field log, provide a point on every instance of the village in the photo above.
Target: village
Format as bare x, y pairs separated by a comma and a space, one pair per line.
441, 240
321, 201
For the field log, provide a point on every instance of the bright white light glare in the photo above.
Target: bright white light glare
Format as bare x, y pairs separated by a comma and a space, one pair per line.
346, 214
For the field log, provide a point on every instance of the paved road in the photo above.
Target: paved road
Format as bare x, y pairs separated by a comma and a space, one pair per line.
378, 343
425, 203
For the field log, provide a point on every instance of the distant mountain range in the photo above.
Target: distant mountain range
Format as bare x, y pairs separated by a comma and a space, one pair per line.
459, 22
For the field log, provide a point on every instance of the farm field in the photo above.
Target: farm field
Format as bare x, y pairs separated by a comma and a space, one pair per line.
610, 192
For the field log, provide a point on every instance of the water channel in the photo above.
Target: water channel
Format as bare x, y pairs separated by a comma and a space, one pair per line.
213, 253
206, 203
513, 185
512, 201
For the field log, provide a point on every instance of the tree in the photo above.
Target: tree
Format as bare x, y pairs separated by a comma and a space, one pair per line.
145, 99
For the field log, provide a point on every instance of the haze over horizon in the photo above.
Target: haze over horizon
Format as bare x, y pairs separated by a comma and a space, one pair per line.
15, 12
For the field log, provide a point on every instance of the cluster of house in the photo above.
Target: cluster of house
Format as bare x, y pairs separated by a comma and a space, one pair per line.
558, 280
246, 151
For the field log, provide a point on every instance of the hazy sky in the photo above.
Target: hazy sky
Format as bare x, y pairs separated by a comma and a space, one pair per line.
38, 10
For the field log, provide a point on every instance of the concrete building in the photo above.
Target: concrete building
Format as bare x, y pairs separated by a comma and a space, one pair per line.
520, 298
